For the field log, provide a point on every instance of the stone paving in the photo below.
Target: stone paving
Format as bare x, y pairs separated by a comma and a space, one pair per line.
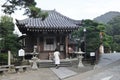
108, 74
63, 72
105, 70
107, 59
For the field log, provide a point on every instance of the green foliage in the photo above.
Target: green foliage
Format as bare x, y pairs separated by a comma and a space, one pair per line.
3, 58
9, 40
35, 12
117, 38
29, 5
105, 18
6, 25
109, 30
11, 5
93, 39
116, 47
101, 27
115, 25
113, 29
107, 42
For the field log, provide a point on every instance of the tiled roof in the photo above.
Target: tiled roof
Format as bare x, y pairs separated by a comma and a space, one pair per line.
54, 20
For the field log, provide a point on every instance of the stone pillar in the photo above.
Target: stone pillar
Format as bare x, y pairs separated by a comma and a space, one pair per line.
9, 58
34, 66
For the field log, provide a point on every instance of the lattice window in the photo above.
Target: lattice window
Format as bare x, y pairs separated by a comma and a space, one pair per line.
49, 43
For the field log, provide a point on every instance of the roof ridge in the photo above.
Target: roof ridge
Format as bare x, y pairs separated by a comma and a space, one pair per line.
67, 18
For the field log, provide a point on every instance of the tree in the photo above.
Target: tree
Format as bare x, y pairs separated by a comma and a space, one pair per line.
9, 41
29, 5
113, 29
93, 38
92, 35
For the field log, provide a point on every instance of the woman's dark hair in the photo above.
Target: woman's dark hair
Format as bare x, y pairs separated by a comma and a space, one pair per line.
56, 49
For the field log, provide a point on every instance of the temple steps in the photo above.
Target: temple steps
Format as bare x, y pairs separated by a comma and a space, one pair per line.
50, 63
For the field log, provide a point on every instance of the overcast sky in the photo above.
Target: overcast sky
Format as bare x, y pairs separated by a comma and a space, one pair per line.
76, 9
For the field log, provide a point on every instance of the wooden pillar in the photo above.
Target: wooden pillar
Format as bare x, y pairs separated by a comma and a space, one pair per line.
24, 42
66, 45
38, 44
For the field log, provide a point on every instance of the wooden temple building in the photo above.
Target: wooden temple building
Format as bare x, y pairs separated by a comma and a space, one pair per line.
47, 34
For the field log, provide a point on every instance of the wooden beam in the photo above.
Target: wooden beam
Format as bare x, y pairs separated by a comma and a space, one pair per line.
66, 45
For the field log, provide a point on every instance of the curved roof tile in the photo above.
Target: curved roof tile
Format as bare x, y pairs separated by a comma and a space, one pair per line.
54, 20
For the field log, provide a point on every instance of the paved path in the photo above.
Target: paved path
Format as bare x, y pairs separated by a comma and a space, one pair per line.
63, 72
108, 68
112, 73
107, 59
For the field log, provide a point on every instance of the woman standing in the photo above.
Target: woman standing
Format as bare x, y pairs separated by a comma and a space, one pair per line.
57, 58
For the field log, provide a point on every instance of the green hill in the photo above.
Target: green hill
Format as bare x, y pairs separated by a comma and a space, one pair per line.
106, 17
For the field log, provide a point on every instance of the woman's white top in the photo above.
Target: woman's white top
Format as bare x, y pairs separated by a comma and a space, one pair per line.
57, 57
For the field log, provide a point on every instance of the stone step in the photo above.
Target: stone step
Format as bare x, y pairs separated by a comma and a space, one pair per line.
50, 63
53, 65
